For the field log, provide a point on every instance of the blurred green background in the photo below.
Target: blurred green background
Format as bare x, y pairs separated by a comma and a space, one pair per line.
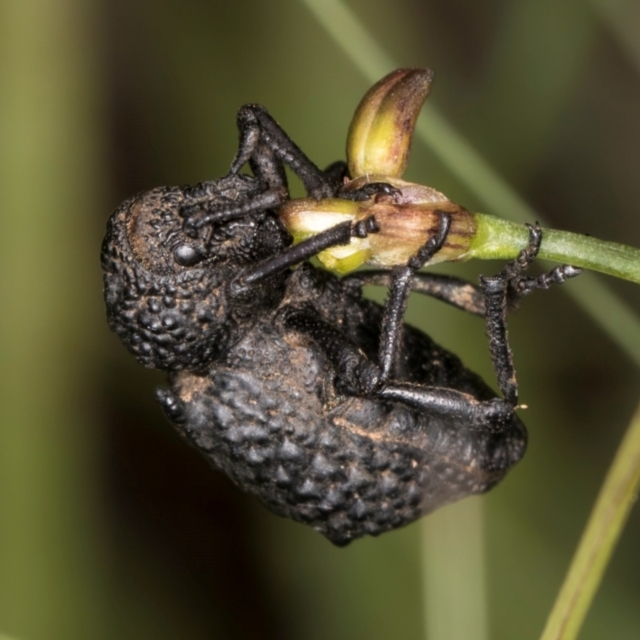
110, 526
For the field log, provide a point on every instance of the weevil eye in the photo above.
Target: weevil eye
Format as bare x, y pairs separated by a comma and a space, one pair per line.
187, 255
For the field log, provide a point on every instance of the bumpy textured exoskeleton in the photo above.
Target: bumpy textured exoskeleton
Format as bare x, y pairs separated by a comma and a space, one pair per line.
306, 394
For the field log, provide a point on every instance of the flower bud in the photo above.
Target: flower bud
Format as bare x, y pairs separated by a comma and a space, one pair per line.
406, 222
379, 139
306, 217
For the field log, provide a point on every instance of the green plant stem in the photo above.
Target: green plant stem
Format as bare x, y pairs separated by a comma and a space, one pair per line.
503, 239
612, 507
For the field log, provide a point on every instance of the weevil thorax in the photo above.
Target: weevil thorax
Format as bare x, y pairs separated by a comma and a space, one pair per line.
165, 290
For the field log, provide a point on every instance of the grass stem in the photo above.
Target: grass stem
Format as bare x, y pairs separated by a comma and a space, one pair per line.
617, 496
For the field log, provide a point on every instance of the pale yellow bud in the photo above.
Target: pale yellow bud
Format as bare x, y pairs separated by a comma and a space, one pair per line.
307, 217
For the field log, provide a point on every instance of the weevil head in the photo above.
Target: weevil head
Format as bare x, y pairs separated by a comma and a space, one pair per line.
165, 288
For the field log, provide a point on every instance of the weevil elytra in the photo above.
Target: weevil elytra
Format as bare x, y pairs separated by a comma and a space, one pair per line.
315, 399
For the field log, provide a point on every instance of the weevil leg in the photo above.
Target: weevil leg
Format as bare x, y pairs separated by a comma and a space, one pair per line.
502, 292
367, 191
558, 275
399, 289
495, 297
488, 415
335, 236
495, 289
454, 291
263, 141
337, 172
460, 293
358, 376
261, 136
269, 199
496, 294
393, 319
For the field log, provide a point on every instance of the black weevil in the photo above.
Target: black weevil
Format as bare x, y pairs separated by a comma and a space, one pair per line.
324, 405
